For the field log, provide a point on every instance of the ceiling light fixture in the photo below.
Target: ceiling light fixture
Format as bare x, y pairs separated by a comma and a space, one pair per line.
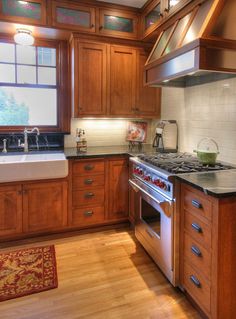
22, 2
24, 37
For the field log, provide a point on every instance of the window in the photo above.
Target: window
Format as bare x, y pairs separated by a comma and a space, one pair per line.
28, 85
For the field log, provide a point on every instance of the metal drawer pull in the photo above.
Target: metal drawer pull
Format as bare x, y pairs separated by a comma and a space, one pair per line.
89, 195
88, 167
88, 181
88, 214
149, 233
196, 204
195, 281
196, 251
196, 227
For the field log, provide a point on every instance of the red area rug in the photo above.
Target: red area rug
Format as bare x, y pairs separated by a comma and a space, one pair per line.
27, 271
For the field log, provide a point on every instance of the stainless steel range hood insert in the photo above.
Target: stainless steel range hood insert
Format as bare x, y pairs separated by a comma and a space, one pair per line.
195, 48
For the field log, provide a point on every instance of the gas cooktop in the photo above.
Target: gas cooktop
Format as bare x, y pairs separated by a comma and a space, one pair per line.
178, 163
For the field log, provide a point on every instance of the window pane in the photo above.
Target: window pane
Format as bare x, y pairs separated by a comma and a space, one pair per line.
26, 74
7, 52
7, 73
28, 106
46, 56
47, 76
25, 54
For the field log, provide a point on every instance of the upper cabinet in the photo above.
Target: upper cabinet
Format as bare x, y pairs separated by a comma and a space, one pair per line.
29, 12
118, 23
72, 16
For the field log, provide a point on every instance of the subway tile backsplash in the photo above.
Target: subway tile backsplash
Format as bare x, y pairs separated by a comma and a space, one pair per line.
207, 110
103, 132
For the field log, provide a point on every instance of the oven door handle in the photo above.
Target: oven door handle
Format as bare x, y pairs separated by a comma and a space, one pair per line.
159, 201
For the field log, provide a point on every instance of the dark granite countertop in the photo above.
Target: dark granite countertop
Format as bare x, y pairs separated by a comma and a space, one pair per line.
101, 151
217, 184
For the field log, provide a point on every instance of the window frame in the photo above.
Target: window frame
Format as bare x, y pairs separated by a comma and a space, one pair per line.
62, 86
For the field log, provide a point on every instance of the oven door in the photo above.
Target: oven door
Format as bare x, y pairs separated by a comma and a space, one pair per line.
154, 226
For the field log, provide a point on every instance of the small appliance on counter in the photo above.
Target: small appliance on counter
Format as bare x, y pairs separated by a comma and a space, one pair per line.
81, 141
166, 138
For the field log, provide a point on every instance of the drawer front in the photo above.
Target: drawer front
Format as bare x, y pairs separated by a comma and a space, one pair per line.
198, 287
196, 203
82, 182
94, 197
197, 229
197, 256
88, 167
88, 216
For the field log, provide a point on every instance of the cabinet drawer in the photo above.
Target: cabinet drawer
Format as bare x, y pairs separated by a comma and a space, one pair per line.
88, 197
87, 216
88, 167
82, 182
197, 203
197, 229
198, 256
198, 287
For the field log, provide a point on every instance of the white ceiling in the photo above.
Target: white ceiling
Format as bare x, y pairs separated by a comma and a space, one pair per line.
131, 3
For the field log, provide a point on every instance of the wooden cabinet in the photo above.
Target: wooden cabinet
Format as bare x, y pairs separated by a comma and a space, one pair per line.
108, 81
122, 80
148, 99
29, 12
118, 23
10, 210
72, 16
44, 206
90, 85
118, 190
207, 251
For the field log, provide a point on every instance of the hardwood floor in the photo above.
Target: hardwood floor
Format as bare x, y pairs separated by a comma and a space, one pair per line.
102, 275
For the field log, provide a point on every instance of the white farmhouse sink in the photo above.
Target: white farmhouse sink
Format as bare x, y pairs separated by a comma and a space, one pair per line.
27, 167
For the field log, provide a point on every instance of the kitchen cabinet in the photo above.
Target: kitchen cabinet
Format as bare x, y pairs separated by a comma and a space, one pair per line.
122, 80
108, 81
10, 210
118, 191
44, 206
118, 23
72, 16
29, 12
207, 251
90, 79
87, 192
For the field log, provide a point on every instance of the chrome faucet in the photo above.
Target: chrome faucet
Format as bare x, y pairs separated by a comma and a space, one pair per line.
26, 132
4, 146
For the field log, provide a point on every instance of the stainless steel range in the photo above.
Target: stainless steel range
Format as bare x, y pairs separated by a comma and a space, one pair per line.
152, 178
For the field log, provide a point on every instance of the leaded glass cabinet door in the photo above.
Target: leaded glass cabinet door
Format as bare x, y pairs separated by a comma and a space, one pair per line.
172, 6
117, 23
32, 11
81, 18
152, 17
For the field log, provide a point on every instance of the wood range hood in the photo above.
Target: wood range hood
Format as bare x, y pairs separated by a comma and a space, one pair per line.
196, 46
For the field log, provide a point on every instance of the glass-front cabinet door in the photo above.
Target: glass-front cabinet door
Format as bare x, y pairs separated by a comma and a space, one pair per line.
32, 11
152, 17
117, 23
72, 16
175, 5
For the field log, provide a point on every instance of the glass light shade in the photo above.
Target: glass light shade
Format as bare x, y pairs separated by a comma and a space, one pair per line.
24, 37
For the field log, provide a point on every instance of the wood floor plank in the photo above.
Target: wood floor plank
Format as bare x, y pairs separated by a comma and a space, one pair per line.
104, 275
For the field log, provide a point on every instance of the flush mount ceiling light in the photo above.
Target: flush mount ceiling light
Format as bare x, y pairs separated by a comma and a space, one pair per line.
24, 37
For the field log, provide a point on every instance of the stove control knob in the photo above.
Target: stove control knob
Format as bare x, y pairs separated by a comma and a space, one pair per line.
162, 185
156, 182
147, 178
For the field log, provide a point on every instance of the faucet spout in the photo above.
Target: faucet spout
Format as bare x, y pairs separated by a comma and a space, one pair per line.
26, 132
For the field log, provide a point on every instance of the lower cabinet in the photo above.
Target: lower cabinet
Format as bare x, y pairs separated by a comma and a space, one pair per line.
10, 210
207, 252
99, 191
33, 208
44, 206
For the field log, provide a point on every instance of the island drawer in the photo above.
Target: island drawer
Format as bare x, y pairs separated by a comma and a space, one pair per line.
88, 181
92, 196
88, 216
88, 167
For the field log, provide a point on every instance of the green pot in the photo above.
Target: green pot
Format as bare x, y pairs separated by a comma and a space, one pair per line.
207, 158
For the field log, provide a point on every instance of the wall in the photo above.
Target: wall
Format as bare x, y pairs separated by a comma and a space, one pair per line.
207, 110
100, 132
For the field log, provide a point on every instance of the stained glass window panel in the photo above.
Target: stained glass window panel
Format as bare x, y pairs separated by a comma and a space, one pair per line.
75, 17
152, 17
24, 9
120, 24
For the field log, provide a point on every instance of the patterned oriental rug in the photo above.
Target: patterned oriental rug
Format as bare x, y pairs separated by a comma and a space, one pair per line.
27, 271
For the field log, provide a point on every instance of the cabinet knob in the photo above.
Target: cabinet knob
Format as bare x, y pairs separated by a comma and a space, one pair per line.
88, 167
161, 15
88, 181
167, 10
196, 204
89, 195
196, 251
195, 281
101, 27
196, 227
92, 26
88, 214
